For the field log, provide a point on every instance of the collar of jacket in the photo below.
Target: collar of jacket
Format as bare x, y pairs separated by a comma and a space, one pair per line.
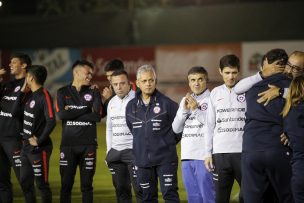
153, 99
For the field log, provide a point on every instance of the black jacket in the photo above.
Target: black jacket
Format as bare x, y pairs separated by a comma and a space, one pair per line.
79, 112
11, 109
39, 117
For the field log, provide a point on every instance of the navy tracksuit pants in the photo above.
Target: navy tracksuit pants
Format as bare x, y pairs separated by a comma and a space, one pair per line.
297, 180
263, 168
147, 178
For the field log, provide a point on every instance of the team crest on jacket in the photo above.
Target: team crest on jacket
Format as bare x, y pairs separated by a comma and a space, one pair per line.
87, 97
61, 155
17, 89
32, 104
241, 98
156, 109
204, 106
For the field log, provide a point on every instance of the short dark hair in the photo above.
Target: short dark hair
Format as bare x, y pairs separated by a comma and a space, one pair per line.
198, 69
114, 65
231, 61
120, 72
274, 55
24, 58
39, 73
83, 62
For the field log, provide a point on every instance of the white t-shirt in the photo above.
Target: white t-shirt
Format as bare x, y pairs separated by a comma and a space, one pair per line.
118, 135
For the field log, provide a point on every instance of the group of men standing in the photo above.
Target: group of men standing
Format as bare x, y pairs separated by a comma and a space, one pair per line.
227, 134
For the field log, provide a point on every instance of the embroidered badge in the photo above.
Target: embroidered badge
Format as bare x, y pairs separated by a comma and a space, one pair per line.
156, 109
87, 97
241, 98
32, 104
17, 89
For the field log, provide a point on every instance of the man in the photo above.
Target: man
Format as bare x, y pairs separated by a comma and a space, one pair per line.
224, 130
119, 140
149, 117
108, 92
79, 108
190, 119
38, 123
266, 161
11, 124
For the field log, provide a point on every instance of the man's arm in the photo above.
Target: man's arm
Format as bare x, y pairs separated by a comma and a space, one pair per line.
49, 116
272, 93
109, 131
180, 118
97, 109
268, 69
172, 110
65, 113
245, 84
209, 131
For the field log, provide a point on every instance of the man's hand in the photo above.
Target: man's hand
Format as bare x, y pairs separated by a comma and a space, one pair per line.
33, 141
272, 68
284, 139
268, 95
107, 92
94, 86
2, 71
191, 102
209, 164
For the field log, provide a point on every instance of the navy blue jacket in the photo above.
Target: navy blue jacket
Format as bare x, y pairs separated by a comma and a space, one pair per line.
154, 142
294, 127
264, 124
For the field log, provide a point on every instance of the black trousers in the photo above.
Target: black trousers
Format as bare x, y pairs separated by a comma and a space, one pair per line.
297, 180
70, 158
148, 181
10, 150
227, 168
123, 175
263, 168
35, 168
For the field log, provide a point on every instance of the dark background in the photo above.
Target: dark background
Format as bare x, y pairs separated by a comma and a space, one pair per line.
103, 23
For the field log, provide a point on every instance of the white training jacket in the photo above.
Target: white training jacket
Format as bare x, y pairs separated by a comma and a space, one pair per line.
225, 121
191, 123
118, 135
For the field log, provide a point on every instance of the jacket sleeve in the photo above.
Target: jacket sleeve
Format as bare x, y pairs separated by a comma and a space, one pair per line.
180, 118
69, 114
173, 107
245, 84
16, 109
97, 109
209, 128
109, 131
128, 108
49, 116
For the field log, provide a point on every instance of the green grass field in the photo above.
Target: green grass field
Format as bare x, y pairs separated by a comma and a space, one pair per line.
103, 189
